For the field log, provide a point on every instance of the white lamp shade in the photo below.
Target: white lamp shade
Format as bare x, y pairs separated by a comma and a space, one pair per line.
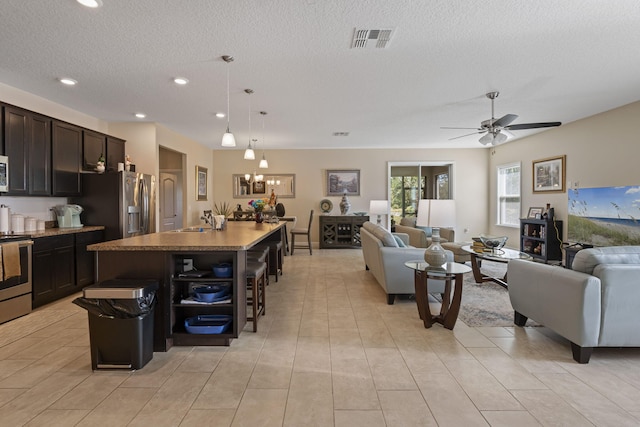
423, 213
263, 163
249, 154
379, 207
439, 213
228, 140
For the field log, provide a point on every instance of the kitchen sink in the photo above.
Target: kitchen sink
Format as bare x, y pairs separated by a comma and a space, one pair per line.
192, 230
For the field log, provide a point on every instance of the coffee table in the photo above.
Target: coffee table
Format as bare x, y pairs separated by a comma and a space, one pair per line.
503, 255
450, 304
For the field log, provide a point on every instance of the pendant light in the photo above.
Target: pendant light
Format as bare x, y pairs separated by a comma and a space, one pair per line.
263, 163
249, 154
228, 140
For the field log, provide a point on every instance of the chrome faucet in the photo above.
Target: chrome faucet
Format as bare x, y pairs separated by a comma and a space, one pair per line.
208, 218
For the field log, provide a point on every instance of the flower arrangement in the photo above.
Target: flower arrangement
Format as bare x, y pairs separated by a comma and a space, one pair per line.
258, 204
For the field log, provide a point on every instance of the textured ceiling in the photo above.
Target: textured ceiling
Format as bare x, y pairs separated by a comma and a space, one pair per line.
550, 60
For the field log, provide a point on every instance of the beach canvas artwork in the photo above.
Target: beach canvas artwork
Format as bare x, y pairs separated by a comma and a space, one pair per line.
604, 216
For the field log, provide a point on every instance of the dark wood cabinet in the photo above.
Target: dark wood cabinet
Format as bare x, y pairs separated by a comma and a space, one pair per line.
66, 159
27, 143
16, 147
62, 265
541, 238
53, 268
40, 156
115, 153
341, 231
94, 145
85, 260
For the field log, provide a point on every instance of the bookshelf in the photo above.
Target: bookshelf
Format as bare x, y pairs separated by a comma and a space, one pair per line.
541, 238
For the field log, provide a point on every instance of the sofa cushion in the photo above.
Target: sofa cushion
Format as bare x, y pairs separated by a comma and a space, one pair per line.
409, 221
381, 233
399, 242
427, 230
586, 260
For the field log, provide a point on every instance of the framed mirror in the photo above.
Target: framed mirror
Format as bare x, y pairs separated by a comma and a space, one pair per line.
284, 185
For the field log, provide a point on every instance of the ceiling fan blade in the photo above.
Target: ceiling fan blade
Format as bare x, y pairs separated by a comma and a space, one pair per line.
505, 120
469, 134
448, 127
523, 126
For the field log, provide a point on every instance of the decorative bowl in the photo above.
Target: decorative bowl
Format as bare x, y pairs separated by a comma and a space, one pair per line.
222, 270
493, 243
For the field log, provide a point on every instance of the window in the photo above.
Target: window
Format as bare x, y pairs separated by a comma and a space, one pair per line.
442, 186
509, 195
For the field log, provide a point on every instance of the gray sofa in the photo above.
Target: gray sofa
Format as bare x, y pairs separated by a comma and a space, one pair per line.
385, 259
593, 305
420, 238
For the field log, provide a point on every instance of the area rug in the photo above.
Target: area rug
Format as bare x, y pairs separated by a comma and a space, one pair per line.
486, 304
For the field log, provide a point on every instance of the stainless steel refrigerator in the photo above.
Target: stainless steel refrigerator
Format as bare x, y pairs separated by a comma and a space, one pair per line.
124, 202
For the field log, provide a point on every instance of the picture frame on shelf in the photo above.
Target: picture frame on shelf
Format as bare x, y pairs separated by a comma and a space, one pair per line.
201, 183
534, 213
341, 182
549, 175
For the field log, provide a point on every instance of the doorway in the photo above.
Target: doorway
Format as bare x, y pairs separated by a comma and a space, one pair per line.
170, 189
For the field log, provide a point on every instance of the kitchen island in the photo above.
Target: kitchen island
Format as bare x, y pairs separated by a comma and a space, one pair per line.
167, 256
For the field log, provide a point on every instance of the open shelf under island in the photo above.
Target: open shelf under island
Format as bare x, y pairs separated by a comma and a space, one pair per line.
162, 256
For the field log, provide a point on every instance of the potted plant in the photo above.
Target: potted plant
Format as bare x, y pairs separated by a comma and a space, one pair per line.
100, 165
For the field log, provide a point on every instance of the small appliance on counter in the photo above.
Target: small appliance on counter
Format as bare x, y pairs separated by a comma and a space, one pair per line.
68, 216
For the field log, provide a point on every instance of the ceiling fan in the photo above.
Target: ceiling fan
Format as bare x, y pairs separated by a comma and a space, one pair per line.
497, 130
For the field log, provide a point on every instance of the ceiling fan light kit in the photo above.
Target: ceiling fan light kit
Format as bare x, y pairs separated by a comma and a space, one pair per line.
497, 130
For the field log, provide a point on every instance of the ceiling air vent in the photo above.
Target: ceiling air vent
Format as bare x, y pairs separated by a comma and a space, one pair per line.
367, 39
341, 134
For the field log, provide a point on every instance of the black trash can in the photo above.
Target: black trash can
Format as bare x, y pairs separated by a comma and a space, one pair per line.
120, 322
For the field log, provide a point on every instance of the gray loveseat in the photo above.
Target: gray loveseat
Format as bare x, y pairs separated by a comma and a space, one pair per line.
385, 259
593, 305
420, 238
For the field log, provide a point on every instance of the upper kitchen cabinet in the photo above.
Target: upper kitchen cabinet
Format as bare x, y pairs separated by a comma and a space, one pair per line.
27, 143
67, 159
115, 153
94, 145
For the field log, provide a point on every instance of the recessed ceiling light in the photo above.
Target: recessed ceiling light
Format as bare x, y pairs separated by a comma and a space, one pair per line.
141, 115
90, 3
220, 115
180, 81
68, 81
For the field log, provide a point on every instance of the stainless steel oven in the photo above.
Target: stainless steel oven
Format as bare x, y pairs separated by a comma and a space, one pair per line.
15, 292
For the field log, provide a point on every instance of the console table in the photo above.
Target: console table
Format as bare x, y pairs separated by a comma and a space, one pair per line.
341, 231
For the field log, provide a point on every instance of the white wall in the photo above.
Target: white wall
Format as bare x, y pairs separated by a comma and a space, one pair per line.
602, 151
143, 142
469, 179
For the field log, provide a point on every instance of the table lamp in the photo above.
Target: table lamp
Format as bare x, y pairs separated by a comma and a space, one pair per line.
379, 207
436, 213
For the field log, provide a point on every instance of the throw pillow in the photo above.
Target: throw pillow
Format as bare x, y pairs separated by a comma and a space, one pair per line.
385, 237
399, 242
427, 230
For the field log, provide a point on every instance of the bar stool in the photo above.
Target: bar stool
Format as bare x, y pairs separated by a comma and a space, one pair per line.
303, 232
256, 292
275, 258
261, 253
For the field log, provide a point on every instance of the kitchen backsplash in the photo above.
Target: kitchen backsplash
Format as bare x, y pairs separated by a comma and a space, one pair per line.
36, 207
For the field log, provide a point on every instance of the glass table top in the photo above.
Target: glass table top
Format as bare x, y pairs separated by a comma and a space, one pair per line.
444, 269
500, 255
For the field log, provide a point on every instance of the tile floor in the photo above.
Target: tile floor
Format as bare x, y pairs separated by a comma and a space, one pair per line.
329, 352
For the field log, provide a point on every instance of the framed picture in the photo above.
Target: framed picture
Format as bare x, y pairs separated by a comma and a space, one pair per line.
201, 183
341, 182
549, 175
534, 213
259, 187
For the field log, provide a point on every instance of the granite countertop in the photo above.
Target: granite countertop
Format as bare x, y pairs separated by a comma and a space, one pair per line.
239, 235
60, 231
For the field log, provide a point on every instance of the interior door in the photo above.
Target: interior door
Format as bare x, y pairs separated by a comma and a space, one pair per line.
170, 202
